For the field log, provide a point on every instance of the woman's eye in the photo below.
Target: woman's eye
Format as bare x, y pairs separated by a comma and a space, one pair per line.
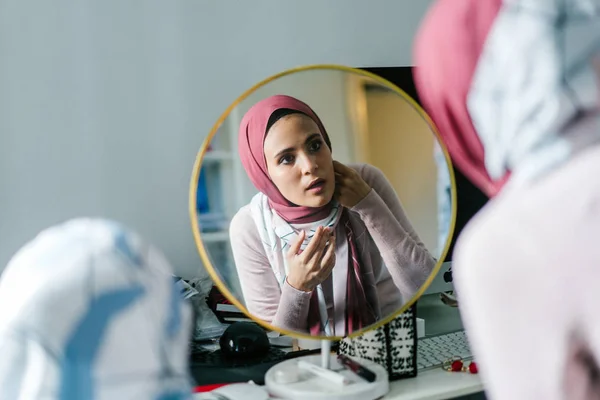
315, 146
286, 159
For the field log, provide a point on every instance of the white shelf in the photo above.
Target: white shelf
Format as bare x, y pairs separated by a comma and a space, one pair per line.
212, 237
217, 156
210, 222
225, 184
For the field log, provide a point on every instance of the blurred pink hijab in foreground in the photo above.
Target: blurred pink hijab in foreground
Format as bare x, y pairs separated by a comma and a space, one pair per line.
513, 88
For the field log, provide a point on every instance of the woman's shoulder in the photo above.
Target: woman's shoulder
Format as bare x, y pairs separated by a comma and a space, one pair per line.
242, 227
242, 219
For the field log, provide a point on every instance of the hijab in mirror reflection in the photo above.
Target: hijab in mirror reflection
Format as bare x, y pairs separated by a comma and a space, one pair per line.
379, 258
89, 311
513, 90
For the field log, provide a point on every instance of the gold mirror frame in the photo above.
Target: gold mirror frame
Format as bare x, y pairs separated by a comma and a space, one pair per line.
194, 189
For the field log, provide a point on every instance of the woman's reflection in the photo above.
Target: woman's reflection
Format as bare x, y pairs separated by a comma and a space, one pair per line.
323, 248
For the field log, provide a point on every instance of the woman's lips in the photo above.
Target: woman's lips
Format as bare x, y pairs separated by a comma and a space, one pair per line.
317, 186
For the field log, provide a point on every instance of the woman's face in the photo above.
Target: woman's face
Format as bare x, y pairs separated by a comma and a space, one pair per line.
299, 161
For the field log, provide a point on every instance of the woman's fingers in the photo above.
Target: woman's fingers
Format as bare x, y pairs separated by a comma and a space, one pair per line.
322, 266
314, 246
296, 245
339, 168
317, 257
343, 171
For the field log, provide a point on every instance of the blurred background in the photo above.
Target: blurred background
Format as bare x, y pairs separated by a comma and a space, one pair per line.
104, 104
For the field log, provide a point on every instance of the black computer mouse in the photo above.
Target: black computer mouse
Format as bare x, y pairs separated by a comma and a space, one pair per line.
244, 340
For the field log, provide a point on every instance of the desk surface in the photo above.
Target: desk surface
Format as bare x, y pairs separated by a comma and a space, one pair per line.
435, 384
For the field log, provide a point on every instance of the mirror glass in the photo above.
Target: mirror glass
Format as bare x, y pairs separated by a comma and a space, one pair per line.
315, 202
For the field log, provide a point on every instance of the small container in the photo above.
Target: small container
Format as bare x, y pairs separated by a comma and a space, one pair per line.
393, 346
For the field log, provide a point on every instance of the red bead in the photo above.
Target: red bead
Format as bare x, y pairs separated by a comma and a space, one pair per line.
473, 368
456, 366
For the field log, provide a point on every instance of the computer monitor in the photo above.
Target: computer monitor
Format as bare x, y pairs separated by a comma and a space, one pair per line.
469, 199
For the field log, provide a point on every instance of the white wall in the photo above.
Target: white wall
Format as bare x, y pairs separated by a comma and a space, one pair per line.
104, 104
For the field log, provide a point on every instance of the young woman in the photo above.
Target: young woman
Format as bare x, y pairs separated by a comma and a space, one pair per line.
513, 87
323, 247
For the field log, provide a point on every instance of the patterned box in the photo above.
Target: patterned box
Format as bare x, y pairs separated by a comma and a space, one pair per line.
393, 346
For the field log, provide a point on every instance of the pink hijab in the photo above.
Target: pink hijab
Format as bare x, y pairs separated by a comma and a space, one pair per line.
252, 133
447, 50
509, 107
251, 140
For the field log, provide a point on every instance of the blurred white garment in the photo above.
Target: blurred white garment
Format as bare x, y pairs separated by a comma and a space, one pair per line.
90, 311
514, 87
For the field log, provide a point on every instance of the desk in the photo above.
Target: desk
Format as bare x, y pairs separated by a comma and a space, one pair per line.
435, 384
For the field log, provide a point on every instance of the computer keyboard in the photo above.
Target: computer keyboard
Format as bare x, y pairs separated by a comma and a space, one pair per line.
432, 351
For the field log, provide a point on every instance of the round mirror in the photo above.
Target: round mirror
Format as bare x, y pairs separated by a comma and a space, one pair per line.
314, 202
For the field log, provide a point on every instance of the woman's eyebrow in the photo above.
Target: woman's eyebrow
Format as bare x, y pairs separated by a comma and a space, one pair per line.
311, 137
282, 152
290, 149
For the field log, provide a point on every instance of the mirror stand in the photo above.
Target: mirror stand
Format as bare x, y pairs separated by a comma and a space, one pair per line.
320, 377
326, 354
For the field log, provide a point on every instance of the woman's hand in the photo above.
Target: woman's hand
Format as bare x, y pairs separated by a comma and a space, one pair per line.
312, 266
350, 187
